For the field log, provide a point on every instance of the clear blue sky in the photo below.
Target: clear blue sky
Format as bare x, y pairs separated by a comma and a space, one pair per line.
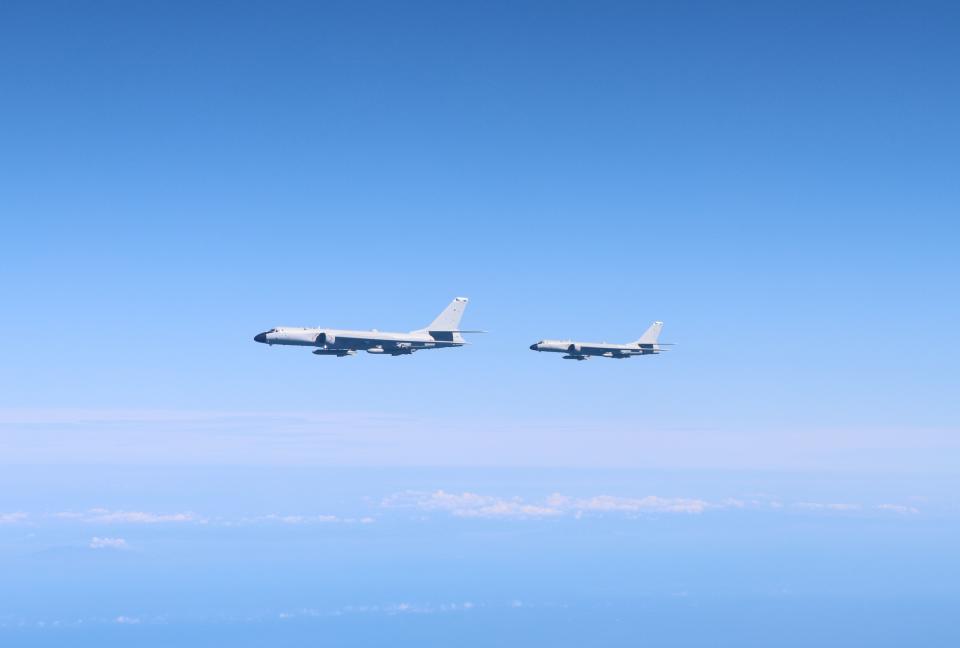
776, 181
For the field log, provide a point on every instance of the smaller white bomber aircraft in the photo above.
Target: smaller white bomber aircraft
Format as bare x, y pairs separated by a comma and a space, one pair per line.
646, 345
442, 333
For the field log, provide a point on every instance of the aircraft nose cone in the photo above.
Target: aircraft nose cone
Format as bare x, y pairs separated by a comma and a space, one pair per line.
260, 337
533, 347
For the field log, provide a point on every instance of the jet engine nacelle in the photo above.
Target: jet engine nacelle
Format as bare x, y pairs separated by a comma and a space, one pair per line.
574, 348
326, 338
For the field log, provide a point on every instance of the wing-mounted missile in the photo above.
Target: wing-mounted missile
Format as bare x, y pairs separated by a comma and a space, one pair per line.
618, 354
340, 353
398, 348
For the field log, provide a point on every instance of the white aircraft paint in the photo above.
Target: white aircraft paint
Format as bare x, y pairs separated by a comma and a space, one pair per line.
443, 332
646, 345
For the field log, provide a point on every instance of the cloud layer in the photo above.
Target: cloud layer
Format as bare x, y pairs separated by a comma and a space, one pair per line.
467, 504
107, 516
476, 505
108, 543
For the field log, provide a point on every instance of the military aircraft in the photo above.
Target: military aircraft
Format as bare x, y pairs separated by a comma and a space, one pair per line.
442, 333
646, 345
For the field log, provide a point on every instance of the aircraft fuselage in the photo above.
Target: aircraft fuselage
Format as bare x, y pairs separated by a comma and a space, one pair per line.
573, 350
443, 332
344, 341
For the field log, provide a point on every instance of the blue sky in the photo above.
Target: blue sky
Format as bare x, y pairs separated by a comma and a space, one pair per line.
775, 181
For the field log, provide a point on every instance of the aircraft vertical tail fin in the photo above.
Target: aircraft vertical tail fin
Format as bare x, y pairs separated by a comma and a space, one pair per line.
651, 335
449, 319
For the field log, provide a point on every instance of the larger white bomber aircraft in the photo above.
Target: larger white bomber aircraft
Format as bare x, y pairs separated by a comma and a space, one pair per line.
442, 333
646, 345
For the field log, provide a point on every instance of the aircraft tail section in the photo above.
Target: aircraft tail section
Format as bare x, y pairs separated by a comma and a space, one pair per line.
449, 320
651, 335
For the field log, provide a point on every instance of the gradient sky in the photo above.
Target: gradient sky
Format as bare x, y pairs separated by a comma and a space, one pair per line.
775, 181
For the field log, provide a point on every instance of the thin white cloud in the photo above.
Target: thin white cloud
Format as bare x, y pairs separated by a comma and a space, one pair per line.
897, 508
97, 542
827, 506
296, 519
125, 620
192, 437
474, 505
12, 518
276, 518
105, 516
612, 504
469, 505
108, 516
389, 609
